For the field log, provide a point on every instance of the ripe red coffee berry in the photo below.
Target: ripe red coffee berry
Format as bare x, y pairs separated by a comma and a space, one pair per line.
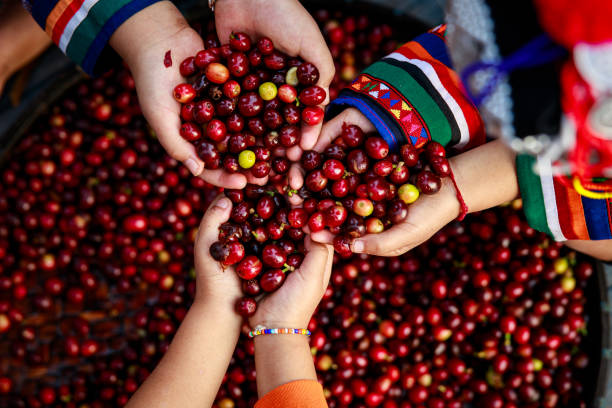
307, 74
240, 42
190, 131
376, 147
231, 89
238, 64
184, 93
265, 45
205, 57
203, 111
287, 93
313, 115
246, 307
250, 104
188, 67
215, 130
249, 267
313, 95
435, 149
428, 183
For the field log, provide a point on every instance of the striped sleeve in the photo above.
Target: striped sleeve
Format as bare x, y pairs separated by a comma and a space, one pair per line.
82, 28
553, 206
413, 96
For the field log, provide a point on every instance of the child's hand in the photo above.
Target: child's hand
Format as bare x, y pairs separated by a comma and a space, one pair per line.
143, 41
212, 281
293, 31
293, 304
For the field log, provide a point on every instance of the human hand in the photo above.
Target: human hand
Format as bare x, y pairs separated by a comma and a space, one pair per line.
143, 41
293, 31
213, 281
293, 304
426, 216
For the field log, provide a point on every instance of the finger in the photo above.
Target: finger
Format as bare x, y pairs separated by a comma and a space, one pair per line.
166, 127
399, 239
296, 177
323, 237
310, 135
218, 212
329, 266
314, 49
254, 180
294, 153
333, 128
222, 178
316, 260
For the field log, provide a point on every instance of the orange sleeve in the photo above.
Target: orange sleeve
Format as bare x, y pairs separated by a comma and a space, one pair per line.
296, 394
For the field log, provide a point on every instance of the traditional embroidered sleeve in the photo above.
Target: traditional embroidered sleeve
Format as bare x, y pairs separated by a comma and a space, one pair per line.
82, 28
554, 207
413, 96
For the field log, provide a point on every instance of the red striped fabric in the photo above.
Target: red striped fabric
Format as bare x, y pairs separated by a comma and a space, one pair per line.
570, 211
68, 13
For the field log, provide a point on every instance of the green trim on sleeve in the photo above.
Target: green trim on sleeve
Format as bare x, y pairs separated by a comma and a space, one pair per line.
531, 193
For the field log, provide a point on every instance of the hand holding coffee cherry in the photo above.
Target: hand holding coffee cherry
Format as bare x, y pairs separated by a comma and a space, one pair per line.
263, 240
143, 46
293, 304
212, 281
293, 32
356, 186
243, 103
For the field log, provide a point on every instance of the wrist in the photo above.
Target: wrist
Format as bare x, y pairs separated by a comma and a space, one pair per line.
276, 323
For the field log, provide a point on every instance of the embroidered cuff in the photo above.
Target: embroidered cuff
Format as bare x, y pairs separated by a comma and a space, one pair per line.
554, 207
413, 96
81, 29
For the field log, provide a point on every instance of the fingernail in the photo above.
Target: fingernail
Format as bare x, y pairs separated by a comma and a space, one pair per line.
358, 246
193, 166
223, 203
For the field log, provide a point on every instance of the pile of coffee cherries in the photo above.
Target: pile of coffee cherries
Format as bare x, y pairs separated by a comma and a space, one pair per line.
358, 187
243, 100
96, 274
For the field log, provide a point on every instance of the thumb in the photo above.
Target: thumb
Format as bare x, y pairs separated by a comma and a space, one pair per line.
388, 243
166, 129
332, 129
208, 232
318, 262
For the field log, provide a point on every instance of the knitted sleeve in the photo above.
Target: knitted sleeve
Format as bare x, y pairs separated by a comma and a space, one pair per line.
413, 96
296, 394
82, 28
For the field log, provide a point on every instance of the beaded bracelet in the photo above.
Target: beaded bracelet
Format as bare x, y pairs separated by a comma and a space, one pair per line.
263, 331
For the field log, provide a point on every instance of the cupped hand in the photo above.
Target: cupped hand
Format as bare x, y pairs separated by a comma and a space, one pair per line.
213, 281
293, 31
426, 216
143, 41
293, 304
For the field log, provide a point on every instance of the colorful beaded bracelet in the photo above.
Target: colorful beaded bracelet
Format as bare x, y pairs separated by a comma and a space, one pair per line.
263, 331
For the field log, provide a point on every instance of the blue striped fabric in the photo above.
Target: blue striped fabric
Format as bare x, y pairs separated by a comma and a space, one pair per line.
127, 11
379, 117
596, 216
436, 47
